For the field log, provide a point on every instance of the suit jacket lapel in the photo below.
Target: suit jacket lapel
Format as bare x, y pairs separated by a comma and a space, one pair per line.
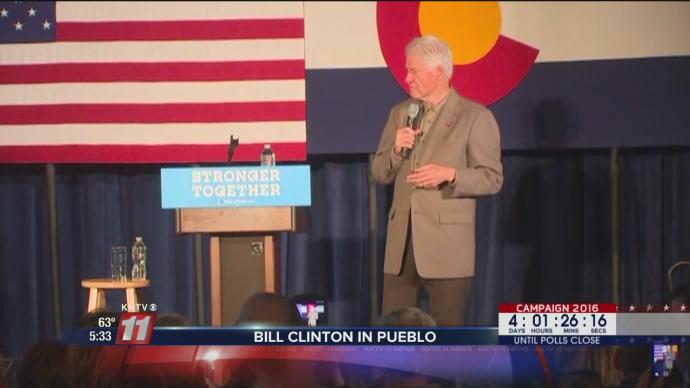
446, 120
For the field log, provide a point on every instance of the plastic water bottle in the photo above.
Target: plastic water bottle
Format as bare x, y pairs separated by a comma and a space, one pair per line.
268, 158
138, 259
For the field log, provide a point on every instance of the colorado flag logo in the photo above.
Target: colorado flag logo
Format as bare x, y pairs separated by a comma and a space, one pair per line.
487, 64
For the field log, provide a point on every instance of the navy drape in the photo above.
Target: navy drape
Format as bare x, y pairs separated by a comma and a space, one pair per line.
545, 237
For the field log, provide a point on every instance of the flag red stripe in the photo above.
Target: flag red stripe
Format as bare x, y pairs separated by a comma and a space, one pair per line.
176, 153
153, 113
151, 72
179, 30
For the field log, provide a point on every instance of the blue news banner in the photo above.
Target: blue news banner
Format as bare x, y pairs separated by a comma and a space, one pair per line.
293, 336
519, 324
228, 336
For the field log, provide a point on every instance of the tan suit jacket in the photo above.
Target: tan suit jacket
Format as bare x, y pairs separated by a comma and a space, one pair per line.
464, 135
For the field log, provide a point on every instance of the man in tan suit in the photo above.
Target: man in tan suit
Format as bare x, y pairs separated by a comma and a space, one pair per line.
456, 156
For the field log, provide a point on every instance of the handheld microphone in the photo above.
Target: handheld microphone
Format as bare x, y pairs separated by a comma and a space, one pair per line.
412, 114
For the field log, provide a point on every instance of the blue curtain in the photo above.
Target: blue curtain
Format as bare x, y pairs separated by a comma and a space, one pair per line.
26, 304
655, 230
545, 237
102, 206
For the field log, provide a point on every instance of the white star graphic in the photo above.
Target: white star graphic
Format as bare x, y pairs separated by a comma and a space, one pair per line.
4, 13
649, 307
46, 25
18, 26
666, 307
632, 307
32, 11
682, 307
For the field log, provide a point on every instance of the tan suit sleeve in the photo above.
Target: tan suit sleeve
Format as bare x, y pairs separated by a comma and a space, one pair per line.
484, 172
386, 164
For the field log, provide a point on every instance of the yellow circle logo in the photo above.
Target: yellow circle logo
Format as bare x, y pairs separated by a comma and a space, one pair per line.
470, 28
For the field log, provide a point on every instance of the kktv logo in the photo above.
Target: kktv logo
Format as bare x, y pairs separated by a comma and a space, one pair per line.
135, 328
138, 307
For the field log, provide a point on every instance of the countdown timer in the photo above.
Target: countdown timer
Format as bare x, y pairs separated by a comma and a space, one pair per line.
566, 319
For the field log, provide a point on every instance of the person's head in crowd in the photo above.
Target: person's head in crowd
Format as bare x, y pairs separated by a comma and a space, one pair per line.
4, 366
91, 318
580, 379
408, 316
54, 364
680, 297
44, 365
83, 365
265, 308
680, 301
633, 362
269, 309
171, 319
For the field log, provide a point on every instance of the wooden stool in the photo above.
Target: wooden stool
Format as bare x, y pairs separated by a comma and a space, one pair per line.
98, 286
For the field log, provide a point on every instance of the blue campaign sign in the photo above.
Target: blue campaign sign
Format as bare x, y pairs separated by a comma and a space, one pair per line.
213, 187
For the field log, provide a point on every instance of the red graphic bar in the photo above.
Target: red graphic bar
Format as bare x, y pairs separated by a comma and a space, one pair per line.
654, 308
557, 308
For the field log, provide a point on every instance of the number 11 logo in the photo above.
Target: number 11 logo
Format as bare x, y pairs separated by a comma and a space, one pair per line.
135, 328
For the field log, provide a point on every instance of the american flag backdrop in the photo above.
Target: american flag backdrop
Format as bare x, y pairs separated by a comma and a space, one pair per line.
150, 82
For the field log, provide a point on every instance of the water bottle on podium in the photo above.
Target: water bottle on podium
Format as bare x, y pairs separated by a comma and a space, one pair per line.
268, 158
138, 259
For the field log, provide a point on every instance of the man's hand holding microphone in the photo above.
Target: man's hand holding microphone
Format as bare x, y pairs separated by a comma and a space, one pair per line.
404, 141
405, 137
428, 176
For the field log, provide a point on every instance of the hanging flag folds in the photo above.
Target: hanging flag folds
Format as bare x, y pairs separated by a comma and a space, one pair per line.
149, 82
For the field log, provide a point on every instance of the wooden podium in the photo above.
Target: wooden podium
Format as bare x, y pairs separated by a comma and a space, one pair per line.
243, 251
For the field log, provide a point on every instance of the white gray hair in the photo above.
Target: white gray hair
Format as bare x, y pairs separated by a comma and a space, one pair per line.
434, 51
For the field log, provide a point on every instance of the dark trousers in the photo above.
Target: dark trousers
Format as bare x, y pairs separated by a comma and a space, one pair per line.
447, 297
